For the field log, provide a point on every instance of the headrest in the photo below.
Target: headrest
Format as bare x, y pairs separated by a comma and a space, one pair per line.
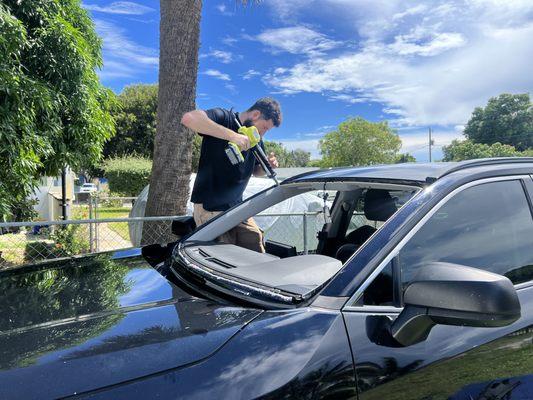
379, 205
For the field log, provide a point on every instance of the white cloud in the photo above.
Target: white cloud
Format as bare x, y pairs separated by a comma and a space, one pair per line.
223, 9
307, 145
418, 9
224, 57
413, 44
229, 41
428, 66
287, 11
144, 21
120, 7
231, 88
347, 98
296, 40
116, 69
122, 56
217, 74
250, 74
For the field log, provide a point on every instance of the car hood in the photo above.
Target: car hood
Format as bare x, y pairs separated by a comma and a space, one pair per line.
73, 326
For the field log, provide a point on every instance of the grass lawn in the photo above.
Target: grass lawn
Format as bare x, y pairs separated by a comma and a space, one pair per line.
82, 212
121, 228
505, 357
14, 248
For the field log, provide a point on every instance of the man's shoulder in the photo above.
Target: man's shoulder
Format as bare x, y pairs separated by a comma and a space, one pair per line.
219, 115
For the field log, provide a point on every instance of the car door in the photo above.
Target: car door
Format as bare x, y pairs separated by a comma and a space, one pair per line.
487, 225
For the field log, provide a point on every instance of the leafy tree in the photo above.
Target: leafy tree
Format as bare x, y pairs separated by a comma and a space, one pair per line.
281, 153
53, 109
287, 159
128, 175
300, 158
315, 163
404, 158
467, 150
135, 119
507, 119
359, 142
135, 122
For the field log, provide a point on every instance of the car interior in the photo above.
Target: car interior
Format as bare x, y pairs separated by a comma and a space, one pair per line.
358, 210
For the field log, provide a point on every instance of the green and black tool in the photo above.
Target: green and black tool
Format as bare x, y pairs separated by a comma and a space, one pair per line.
235, 155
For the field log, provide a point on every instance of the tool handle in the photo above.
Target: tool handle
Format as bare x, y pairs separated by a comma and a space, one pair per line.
263, 160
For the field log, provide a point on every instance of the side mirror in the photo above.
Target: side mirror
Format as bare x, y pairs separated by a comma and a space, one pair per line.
451, 294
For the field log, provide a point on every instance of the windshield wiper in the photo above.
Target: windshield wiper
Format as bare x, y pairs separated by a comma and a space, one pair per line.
229, 285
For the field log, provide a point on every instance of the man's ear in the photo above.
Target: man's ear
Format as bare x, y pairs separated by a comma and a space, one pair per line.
256, 114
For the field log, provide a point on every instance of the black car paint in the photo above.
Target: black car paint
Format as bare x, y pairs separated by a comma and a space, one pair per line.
450, 358
66, 336
79, 326
300, 354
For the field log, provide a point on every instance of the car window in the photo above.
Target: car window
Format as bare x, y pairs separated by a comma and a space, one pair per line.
359, 219
284, 222
380, 291
488, 226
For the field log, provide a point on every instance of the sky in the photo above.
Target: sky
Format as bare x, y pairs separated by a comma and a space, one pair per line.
414, 63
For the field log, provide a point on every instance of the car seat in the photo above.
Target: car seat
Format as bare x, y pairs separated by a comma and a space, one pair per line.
379, 206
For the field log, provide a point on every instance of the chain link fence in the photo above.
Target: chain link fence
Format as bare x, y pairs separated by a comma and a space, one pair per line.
31, 242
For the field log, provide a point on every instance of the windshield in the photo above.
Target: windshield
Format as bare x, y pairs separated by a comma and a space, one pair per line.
308, 231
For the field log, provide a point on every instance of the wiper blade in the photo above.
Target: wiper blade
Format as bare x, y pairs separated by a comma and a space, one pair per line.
232, 285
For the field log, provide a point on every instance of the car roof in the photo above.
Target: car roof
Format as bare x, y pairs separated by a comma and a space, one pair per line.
408, 172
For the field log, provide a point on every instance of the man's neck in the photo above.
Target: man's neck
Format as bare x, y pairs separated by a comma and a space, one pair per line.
243, 116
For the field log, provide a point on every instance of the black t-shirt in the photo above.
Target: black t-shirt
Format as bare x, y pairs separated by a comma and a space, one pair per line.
219, 185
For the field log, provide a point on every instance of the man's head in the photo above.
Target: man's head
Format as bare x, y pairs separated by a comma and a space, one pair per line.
264, 115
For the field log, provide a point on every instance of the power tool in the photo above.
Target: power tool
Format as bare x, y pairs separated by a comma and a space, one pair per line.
235, 155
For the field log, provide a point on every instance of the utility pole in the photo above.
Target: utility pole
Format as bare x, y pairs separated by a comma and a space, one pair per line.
64, 193
430, 143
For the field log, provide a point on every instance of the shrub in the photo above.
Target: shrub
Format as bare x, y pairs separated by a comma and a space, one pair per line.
64, 241
104, 201
127, 175
42, 250
70, 240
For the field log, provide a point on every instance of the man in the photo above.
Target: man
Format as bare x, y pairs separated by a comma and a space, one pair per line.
219, 185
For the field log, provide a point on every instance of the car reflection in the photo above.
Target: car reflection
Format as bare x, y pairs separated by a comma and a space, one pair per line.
37, 306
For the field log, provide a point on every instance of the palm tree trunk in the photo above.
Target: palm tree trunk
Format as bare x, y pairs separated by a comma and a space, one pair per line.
178, 67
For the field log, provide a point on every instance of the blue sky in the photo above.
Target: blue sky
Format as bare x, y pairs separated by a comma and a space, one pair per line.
414, 63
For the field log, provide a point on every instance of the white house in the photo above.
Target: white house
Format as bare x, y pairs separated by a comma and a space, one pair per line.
49, 195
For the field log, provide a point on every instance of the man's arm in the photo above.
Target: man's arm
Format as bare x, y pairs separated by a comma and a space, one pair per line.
198, 121
258, 169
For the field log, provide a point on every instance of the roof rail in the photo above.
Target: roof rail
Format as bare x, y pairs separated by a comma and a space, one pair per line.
480, 162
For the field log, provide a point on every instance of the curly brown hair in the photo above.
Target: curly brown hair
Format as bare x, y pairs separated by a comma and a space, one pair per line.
269, 109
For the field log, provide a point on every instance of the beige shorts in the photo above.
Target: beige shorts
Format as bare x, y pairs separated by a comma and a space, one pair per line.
247, 234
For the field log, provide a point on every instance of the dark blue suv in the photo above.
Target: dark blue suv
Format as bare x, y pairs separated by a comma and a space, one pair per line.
415, 282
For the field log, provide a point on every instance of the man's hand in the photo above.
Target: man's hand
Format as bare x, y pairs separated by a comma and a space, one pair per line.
273, 160
242, 141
